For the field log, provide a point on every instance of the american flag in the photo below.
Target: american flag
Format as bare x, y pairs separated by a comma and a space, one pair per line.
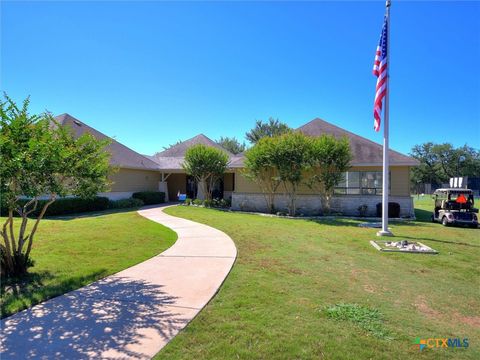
380, 71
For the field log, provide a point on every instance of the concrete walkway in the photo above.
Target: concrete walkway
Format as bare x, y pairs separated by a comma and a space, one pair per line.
131, 314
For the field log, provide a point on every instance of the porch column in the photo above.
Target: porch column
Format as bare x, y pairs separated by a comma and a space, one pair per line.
163, 185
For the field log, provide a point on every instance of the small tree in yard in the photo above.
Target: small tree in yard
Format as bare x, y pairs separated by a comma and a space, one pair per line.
330, 159
292, 160
207, 165
260, 168
41, 160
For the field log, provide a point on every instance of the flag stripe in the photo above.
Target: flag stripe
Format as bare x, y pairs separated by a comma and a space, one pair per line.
380, 71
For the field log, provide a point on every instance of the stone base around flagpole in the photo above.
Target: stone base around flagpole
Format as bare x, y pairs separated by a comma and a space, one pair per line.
385, 233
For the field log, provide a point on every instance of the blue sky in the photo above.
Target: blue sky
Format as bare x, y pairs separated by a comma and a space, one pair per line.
151, 73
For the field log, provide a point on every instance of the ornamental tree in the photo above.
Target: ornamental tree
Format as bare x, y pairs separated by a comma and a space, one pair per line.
330, 159
260, 168
292, 159
207, 165
40, 162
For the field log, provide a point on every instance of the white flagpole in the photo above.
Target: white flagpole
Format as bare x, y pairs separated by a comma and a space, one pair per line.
386, 172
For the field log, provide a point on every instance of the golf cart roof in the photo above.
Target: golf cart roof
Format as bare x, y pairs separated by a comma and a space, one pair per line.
453, 191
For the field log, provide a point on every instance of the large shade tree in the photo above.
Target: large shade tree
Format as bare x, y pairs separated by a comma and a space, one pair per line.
440, 162
231, 144
271, 128
207, 165
40, 162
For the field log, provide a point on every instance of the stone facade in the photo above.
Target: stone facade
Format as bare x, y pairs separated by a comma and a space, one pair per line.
311, 204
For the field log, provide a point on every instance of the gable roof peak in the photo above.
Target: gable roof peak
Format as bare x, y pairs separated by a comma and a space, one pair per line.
179, 150
365, 151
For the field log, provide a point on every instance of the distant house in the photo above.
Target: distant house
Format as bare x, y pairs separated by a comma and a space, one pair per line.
163, 171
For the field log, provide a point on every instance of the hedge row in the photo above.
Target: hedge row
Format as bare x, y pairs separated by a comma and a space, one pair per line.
150, 197
66, 206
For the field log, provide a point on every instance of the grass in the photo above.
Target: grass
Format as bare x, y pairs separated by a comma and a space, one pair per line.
366, 318
288, 271
73, 252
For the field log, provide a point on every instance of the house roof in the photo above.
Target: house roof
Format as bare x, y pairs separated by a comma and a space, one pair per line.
179, 149
365, 152
173, 157
122, 156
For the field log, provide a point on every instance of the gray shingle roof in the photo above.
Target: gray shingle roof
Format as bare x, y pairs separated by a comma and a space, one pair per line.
179, 150
173, 157
365, 152
122, 156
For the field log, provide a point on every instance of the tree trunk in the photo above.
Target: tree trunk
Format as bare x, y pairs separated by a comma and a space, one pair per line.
201, 189
35, 226
14, 261
6, 254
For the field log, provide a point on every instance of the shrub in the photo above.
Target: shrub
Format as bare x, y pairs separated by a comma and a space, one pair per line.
393, 210
362, 210
187, 202
150, 197
125, 203
65, 206
197, 202
208, 203
222, 203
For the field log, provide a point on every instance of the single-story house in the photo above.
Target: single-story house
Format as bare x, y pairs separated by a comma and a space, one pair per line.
163, 172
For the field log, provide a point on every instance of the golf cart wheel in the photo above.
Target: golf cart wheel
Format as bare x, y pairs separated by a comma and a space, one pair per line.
444, 221
432, 219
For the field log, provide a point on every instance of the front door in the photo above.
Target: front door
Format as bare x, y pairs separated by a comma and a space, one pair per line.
217, 192
191, 187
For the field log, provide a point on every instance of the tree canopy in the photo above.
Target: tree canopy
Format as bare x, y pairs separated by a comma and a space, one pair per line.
41, 160
231, 144
331, 158
273, 127
207, 165
292, 160
440, 162
260, 168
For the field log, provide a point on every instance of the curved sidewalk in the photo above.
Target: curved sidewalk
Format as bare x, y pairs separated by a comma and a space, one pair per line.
131, 314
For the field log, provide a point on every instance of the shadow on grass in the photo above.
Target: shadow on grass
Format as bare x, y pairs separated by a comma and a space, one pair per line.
105, 212
110, 314
31, 289
91, 214
423, 215
335, 222
440, 241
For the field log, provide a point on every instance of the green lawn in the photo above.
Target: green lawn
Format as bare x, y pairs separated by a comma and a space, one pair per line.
288, 272
74, 252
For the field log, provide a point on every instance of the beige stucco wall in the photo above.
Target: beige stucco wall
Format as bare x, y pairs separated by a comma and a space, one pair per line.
228, 182
400, 181
129, 180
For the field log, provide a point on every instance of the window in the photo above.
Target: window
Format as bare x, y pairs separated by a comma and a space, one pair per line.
360, 183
